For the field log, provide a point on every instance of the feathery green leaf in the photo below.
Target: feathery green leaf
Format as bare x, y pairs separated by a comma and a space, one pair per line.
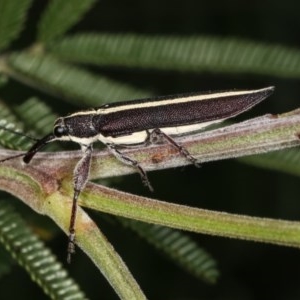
178, 247
32, 116
85, 89
36, 259
12, 18
60, 16
36, 115
9, 124
198, 53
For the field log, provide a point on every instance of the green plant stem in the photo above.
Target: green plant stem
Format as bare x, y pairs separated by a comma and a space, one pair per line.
94, 243
41, 193
272, 231
259, 135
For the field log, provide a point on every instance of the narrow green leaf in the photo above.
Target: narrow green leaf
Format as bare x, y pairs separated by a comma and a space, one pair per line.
85, 89
36, 259
12, 19
196, 53
178, 247
60, 16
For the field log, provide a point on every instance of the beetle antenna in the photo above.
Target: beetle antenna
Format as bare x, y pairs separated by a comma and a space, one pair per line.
39, 143
12, 157
18, 133
37, 147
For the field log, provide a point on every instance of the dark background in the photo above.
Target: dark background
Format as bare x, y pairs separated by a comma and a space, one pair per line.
248, 270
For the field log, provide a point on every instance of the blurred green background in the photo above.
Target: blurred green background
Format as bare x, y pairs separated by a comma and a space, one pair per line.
248, 270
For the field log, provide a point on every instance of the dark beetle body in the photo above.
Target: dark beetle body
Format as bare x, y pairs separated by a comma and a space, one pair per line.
126, 118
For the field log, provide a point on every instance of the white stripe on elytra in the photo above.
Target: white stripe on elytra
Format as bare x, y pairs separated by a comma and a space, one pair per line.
180, 99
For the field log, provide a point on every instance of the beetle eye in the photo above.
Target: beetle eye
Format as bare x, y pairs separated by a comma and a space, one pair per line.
59, 131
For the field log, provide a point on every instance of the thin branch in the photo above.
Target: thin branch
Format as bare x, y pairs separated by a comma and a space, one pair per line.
258, 135
279, 232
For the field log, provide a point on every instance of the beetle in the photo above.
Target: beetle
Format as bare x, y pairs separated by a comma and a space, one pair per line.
137, 123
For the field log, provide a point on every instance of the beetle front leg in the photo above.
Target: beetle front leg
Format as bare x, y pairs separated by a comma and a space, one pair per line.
81, 175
